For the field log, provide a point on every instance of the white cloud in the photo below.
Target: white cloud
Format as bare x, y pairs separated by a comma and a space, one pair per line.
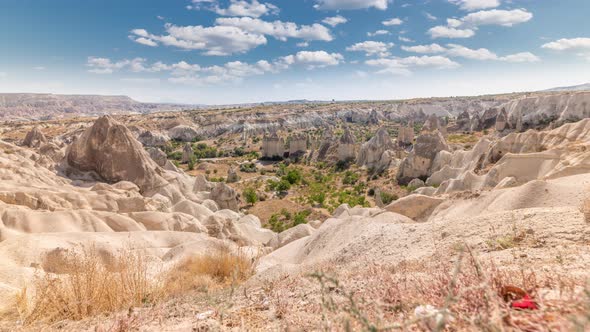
573, 44
145, 41
334, 20
481, 54
313, 59
378, 33
277, 29
506, 18
39, 68
393, 21
105, 65
521, 57
467, 25
467, 53
215, 40
449, 32
430, 16
350, 4
405, 39
425, 49
245, 8
471, 5
371, 48
403, 66
303, 44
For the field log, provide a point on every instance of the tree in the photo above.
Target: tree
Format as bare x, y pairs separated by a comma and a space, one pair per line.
250, 196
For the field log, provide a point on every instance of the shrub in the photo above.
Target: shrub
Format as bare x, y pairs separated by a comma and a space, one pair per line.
350, 178
293, 176
191, 163
250, 196
387, 198
248, 168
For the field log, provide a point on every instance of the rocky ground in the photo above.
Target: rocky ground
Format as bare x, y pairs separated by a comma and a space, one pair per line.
466, 227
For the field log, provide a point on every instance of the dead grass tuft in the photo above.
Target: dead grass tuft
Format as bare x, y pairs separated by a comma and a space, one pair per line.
201, 273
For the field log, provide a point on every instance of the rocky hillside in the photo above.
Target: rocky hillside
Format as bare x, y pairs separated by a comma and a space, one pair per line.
30, 106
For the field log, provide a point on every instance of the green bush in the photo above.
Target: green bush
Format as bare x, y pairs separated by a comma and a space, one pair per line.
350, 178
250, 196
387, 198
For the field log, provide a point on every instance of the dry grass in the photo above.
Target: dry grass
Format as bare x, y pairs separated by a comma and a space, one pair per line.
219, 269
87, 286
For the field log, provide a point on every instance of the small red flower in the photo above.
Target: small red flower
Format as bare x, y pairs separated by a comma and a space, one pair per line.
526, 303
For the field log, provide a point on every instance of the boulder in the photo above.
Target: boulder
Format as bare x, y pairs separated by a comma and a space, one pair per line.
295, 233
225, 196
416, 183
34, 138
415, 207
150, 139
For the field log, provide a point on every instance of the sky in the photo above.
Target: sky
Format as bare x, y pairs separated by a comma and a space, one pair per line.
241, 51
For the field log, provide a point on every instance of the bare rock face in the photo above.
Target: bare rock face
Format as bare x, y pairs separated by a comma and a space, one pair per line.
272, 146
183, 133
418, 163
346, 146
158, 156
35, 138
225, 197
475, 124
405, 136
297, 145
488, 119
463, 122
109, 149
187, 153
371, 152
150, 139
501, 121
432, 123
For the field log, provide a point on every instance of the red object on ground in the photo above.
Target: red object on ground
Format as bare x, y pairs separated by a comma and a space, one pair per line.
525, 303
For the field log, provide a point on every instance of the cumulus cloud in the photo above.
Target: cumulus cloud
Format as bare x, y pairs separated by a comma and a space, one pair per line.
230, 35
393, 21
481, 54
466, 26
104, 65
245, 8
334, 20
215, 40
470, 5
506, 18
371, 48
404, 66
312, 59
424, 49
573, 44
449, 32
351, 4
277, 29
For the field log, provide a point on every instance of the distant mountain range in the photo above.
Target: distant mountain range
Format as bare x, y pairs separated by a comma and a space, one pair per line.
581, 87
35, 106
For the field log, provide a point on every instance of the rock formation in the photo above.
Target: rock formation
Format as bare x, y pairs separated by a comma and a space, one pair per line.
431, 124
225, 197
501, 121
346, 146
371, 152
150, 139
297, 145
109, 149
158, 156
406, 135
187, 153
272, 146
418, 163
183, 133
463, 122
34, 138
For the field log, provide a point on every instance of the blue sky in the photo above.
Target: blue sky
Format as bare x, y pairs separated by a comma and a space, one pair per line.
232, 51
